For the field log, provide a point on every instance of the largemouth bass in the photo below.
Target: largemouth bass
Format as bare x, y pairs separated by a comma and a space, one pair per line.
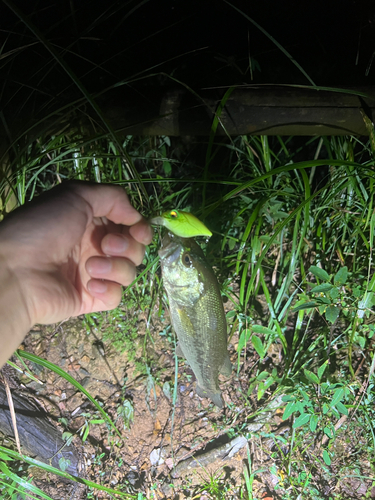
197, 313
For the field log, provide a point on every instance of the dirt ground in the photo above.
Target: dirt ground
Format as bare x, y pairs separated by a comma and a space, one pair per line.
159, 444
166, 451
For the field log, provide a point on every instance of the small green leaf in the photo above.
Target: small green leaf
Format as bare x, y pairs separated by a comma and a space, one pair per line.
263, 375
324, 387
313, 423
334, 293
268, 383
244, 337
167, 167
311, 376
306, 397
361, 341
258, 346
64, 463
301, 406
338, 395
342, 408
326, 457
319, 273
324, 287
261, 390
328, 432
341, 276
365, 303
231, 314
301, 420
332, 313
324, 300
288, 398
306, 305
289, 409
321, 369
263, 330
68, 437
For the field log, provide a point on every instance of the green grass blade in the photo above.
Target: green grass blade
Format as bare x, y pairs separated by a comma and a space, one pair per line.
59, 371
81, 87
58, 472
278, 45
213, 130
26, 485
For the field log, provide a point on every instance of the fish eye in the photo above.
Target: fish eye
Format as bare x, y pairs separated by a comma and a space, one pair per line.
186, 259
173, 214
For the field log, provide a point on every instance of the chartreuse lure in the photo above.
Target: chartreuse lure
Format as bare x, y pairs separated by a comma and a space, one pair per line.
182, 224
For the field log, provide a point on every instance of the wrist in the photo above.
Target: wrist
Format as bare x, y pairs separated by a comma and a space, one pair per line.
15, 320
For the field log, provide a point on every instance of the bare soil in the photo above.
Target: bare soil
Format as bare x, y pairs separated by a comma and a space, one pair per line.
155, 453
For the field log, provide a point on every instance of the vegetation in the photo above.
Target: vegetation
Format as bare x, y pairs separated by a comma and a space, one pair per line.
297, 234
293, 232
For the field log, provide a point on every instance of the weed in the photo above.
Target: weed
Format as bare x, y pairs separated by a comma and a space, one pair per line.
292, 246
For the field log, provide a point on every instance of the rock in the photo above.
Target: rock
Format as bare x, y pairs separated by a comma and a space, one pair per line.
157, 456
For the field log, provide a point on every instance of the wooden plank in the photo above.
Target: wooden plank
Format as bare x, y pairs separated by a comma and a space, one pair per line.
38, 437
266, 110
257, 110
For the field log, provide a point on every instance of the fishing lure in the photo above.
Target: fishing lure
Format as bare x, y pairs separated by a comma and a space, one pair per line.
182, 224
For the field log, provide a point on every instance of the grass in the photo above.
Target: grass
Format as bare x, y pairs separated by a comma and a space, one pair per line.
293, 233
297, 234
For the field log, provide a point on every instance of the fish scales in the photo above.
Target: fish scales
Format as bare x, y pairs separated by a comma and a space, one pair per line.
197, 313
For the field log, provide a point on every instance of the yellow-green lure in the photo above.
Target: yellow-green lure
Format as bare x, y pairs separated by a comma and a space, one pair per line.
182, 224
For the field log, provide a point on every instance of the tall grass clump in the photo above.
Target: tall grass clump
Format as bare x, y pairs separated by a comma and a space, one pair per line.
293, 231
292, 236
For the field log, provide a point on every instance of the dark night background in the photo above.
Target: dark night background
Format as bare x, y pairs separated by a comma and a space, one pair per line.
200, 43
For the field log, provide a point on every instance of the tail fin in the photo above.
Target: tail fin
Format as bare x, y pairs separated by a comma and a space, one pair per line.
215, 396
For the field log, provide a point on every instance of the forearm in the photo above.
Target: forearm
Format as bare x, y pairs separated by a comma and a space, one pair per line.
14, 317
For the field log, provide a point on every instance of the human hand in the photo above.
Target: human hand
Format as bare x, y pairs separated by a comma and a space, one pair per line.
71, 250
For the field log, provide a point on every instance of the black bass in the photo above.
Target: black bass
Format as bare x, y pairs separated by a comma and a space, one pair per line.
197, 313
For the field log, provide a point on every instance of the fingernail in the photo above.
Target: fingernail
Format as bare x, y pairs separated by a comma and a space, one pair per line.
99, 266
97, 286
118, 244
144, 234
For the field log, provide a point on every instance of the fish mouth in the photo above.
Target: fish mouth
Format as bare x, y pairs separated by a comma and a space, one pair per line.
171, 249
158, 221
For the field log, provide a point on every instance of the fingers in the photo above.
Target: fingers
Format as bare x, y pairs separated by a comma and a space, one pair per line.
142, 232
107, 275
107, 293
113, 203
107, 201
123, 245
114, 269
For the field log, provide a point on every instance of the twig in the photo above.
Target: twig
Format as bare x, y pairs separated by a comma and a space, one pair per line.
12, 414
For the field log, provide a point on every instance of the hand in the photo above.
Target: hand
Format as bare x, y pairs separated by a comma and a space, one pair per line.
71, 250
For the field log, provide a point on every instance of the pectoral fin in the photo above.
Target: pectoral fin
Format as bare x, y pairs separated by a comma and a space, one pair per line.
214, 396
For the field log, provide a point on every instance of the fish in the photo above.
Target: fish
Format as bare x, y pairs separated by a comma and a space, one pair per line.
197, 313
182, 224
